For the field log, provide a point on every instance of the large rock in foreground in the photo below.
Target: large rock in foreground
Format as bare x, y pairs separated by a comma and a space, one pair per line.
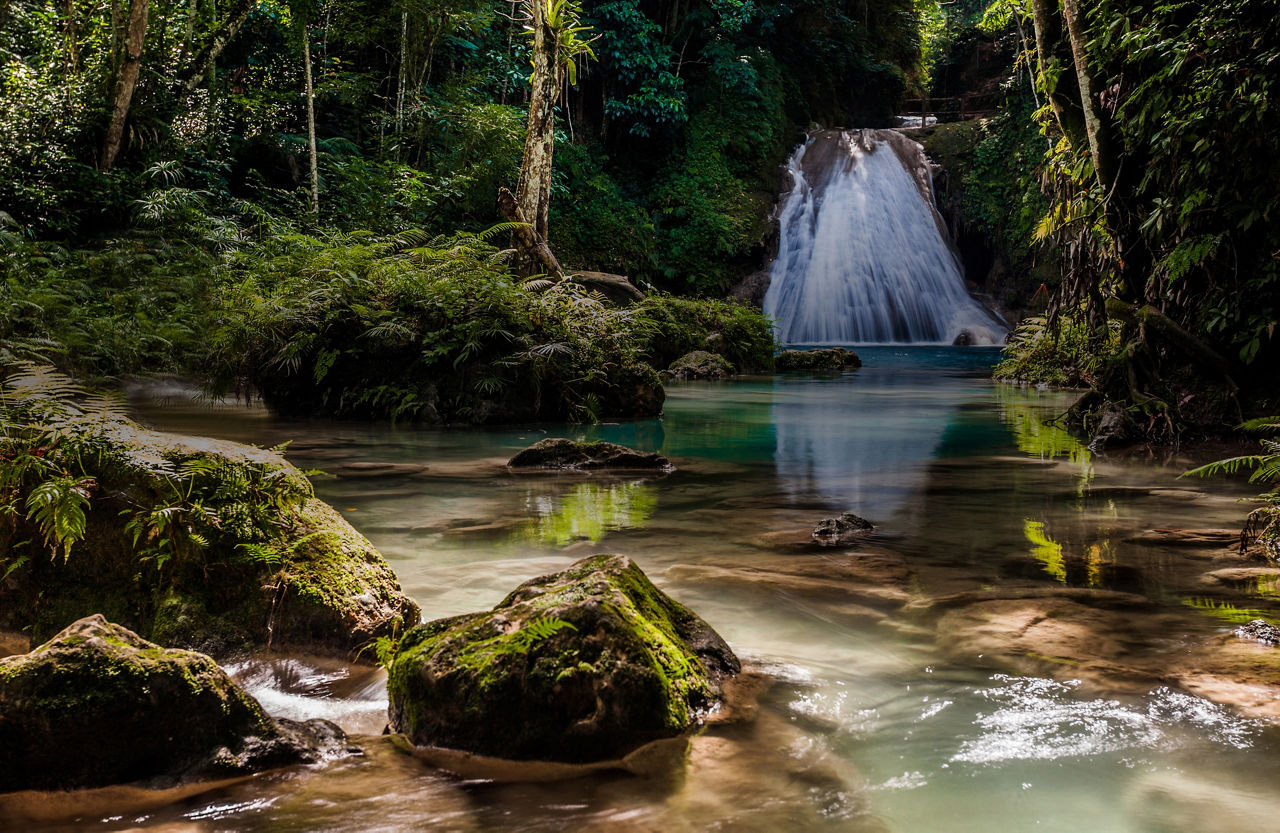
559, 453
100, 705
826, 358
582, 665
253, 559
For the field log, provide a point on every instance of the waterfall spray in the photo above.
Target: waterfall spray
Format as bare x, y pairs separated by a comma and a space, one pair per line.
863, 256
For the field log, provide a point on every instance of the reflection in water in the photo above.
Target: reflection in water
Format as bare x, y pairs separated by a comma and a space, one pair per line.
587, 512
1025, 413
1045, 550
864, 446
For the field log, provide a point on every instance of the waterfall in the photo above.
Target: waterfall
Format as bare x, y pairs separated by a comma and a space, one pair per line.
863, 256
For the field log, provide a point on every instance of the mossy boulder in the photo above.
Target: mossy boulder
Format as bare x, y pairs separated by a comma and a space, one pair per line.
192, 542
824, 358
100, 705
700, 364
582, 665
560, 453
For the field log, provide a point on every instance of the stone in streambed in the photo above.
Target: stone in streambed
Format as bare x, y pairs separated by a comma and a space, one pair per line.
560, 453
827, 358
1259, 630
583, 665
100, 705
841, 531
700, 364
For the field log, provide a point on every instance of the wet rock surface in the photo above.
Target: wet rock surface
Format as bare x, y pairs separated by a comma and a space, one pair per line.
560, 453
843, 530
582, 665
1259, 630
826, 358
700, 364
99, 705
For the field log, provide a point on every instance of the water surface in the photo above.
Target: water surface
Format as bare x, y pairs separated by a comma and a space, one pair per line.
891, 706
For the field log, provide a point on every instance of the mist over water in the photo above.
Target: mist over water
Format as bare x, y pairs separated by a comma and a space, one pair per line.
862, 257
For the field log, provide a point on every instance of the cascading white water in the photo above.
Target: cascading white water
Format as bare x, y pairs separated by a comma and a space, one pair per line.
863, 257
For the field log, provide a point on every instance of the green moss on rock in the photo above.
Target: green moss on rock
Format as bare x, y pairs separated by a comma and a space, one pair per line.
100, 705
586, 664
699, 364
190, 541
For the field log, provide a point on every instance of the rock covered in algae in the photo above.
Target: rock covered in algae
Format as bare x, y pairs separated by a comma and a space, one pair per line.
560, 453
826, 358
700, 364
581, 665
272, 564
100, 705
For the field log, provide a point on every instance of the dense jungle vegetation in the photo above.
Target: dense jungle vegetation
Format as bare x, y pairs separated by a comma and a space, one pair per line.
1136, 146
263, 191
288, 195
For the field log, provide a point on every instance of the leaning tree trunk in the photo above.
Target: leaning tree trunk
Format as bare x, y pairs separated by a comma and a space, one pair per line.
533, 195
311, 123
128, 79
1097, 128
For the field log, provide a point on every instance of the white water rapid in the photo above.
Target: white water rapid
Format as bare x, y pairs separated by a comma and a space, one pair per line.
863, 256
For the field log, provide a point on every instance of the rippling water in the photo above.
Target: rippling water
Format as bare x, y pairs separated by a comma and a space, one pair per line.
1012, 649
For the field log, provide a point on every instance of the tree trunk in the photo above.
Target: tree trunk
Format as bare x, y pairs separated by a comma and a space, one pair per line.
73, 46
1097, 128
533, 195
1049, 45
311, 123
533, 246
128, 79
199, 67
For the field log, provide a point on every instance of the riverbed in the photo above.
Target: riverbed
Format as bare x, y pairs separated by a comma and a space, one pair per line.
1030, 639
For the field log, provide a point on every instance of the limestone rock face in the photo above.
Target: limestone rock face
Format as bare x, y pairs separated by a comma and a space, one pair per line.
582, 665
827, 358
559, 453
100, 705
700, 364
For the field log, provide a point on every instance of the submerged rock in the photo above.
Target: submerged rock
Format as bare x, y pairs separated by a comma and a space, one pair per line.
582, 665
100, 705
700, 364
559, 453
826, 358
1260, 630
254, 558
841, 531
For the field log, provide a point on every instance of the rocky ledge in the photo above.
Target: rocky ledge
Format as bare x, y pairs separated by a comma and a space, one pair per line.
582, 665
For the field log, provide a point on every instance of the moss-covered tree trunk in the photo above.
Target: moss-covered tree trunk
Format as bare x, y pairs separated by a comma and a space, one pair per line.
125, 84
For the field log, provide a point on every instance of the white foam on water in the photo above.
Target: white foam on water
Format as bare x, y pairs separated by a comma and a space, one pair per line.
1039, 719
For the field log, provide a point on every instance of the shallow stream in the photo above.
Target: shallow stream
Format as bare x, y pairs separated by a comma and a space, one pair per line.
1015, 647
